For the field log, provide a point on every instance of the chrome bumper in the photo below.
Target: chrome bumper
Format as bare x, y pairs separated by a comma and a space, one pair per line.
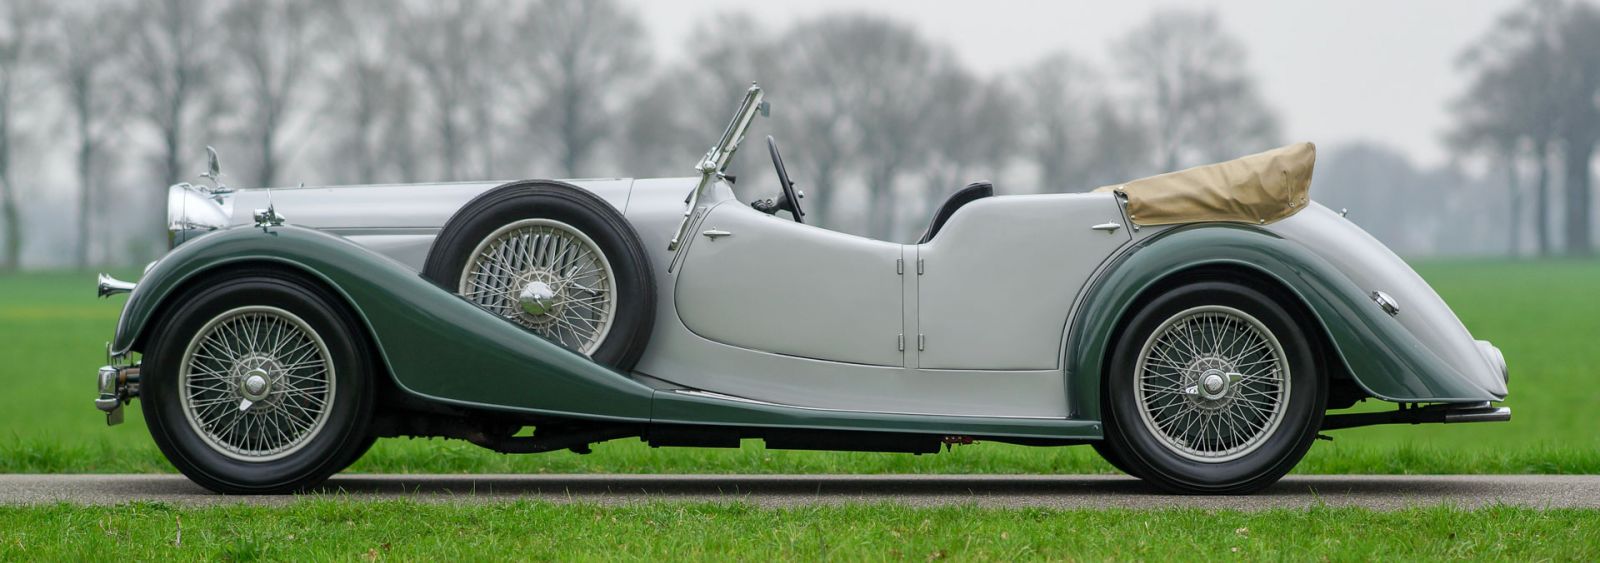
1449, 413
118, 386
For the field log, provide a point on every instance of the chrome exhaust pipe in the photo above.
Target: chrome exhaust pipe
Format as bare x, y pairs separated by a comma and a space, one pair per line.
1478, 413
110, 286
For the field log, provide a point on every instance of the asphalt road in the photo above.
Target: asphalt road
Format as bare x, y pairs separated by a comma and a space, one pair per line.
1378, 492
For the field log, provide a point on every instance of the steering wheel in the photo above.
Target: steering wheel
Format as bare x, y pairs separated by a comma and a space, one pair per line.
790, 199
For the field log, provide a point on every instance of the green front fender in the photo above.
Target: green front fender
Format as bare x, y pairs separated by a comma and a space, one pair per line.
1381, 355
435, 344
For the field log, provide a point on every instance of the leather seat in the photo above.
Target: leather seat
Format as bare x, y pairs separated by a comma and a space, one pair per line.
973, 192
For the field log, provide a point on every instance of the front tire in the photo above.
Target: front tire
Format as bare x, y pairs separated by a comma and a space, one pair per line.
1213, 388
257, 382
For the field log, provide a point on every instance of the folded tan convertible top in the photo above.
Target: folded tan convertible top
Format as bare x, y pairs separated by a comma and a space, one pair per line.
1260, 188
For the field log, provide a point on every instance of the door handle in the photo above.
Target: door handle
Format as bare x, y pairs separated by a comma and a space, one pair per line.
715, 234
1108, 227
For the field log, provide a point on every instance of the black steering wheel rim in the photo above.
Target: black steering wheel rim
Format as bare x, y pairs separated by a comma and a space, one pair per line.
790, 200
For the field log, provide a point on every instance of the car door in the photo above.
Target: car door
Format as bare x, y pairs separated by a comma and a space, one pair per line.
769, 284
997, 284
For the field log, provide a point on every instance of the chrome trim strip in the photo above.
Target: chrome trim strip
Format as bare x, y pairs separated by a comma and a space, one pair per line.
723, 397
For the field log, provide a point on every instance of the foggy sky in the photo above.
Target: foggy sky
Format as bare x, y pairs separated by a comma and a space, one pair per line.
1338, 71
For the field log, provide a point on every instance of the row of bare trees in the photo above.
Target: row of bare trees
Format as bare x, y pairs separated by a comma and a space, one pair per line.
871, 103
873, 113
1534, 102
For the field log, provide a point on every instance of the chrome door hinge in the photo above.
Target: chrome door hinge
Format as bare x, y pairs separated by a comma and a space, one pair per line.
900, 266
901, 340
919, 266
922, 342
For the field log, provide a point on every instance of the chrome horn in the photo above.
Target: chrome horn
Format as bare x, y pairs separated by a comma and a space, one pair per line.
110, 286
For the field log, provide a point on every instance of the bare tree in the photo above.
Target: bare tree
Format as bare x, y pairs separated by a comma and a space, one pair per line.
1501, 113
1059, 94
577, 56
1200, 97
20, 21
687, 104
1578, 91
449, 45
971, 134
1121, 147
815, 114
272, 42
1510, 104
171, 52
1535, 83
659, 140
866, 77
87, 58
362, 74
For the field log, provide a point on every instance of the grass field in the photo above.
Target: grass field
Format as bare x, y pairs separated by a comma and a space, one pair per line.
328, 529
1544, 315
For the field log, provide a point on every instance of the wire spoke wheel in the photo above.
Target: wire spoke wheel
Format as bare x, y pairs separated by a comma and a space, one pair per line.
257, 383
1212, 383
547, 276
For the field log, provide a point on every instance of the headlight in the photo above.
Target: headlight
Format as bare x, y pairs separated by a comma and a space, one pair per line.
193, 208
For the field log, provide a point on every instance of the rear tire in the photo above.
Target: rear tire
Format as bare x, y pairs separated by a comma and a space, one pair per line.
1113, 457
555, 259
355, 454
1213, 388
257, 382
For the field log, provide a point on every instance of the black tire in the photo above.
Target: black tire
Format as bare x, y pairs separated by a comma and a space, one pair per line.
635, 305
355, 453
1136, 445
327, 447
1113, 457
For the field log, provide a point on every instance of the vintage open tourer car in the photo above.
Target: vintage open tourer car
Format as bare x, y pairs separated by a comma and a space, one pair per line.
1193, 327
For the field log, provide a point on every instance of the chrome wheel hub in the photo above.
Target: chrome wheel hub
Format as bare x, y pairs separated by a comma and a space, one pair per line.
255, 386
257, 383
537, 299
1212, 384
547, 276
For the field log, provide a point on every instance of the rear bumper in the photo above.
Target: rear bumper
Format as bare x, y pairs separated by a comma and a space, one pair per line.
1449, 413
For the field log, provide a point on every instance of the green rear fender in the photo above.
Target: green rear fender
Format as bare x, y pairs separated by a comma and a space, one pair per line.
1381, 355
435, 344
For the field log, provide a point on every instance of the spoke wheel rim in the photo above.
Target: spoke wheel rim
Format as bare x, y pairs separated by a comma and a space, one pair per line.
271, 363
1212, 384
564, 264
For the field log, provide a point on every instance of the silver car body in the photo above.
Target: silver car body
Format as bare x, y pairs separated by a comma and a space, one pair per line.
971, 323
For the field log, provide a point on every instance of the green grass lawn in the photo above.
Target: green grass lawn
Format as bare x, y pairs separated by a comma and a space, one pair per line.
1545, 316
328, 529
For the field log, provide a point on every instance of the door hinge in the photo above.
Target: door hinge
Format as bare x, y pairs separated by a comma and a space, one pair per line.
900, 266
919, 266
901, 342
922, 342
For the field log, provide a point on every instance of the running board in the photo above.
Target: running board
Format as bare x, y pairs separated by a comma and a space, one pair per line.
1445, 413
